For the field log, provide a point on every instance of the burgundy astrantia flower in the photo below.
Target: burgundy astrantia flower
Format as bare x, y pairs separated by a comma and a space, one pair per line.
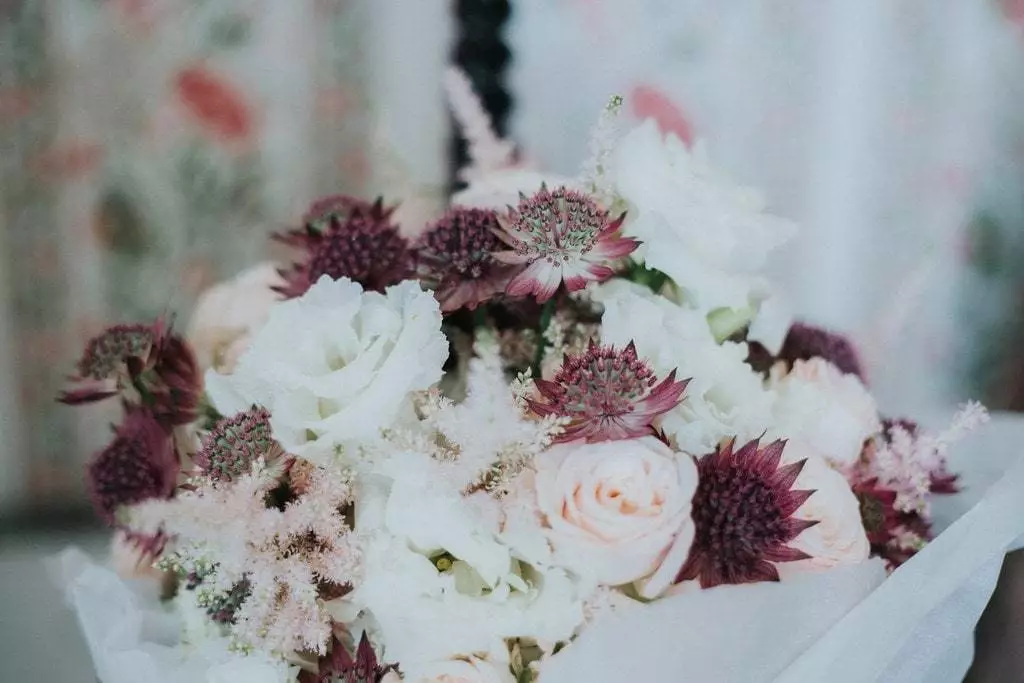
147, 365
804, 342
139, 464
743, 513
607, 394
560, 236
229, 449
346, 237
338, 665
454, 256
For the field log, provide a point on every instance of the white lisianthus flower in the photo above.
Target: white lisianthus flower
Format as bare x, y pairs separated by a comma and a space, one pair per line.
229, 313
725, 397
464, 670
839, 536
613, 508
500, 189
824, 410
706, 233
478, 589
337, 365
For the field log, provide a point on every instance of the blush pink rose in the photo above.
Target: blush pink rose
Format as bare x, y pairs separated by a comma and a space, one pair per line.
612, 509
839, 537
228, 314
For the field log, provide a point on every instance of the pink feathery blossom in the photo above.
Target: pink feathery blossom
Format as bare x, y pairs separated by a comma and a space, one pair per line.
487, 151
896, 476
607, 394
560, 236
288, 554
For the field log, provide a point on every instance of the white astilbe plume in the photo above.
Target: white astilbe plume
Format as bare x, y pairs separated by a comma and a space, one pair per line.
489, 437
908, 463
227, 534
603, 137
487, 152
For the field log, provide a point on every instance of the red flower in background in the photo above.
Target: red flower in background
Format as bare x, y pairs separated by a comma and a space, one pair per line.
650, 103
216, 104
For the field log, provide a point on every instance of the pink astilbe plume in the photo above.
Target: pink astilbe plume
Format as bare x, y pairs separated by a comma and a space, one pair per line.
343, 236
743, 513
896, 476
287, 556
606, 394
147, 365
560, 236
487, 151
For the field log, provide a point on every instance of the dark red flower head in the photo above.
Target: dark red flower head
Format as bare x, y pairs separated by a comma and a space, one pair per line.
454, 257
346, 237
885, 524
148, 365
229, 449
743, 515
139, 464
339, 666
804, 342
607, 394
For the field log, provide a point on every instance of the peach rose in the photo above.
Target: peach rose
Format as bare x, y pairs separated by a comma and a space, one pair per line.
470, 670
838, 537
228, 314
830, 412
612, 509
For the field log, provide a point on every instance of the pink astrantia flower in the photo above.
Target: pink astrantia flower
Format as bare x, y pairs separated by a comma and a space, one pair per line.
560, 236
454, 256
607, 394
235, 442
346, 237
147, 365
743, 513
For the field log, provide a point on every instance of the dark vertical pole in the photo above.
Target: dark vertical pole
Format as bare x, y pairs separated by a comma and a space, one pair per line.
480, 51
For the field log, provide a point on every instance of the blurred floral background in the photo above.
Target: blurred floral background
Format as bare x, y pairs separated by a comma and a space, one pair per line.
149, 147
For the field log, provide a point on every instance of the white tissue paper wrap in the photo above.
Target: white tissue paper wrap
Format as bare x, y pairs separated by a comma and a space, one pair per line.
848, 625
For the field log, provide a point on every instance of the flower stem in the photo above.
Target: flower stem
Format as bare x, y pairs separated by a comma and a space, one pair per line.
545, 320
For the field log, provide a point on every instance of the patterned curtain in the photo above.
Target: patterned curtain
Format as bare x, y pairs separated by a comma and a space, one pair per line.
149, 148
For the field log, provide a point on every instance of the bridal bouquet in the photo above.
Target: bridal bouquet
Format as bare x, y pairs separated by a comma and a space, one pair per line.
566, 432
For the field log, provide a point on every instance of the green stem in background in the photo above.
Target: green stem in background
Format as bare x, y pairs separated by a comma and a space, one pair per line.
479, 317
546, 314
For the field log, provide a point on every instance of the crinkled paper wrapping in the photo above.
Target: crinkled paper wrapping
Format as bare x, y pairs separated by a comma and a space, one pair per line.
846, 625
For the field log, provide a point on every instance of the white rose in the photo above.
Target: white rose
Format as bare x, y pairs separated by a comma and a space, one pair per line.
337, 365
700, 229
613, 508
821, 408
724, 398
838, 537
500, 189
228, 314
469, 670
